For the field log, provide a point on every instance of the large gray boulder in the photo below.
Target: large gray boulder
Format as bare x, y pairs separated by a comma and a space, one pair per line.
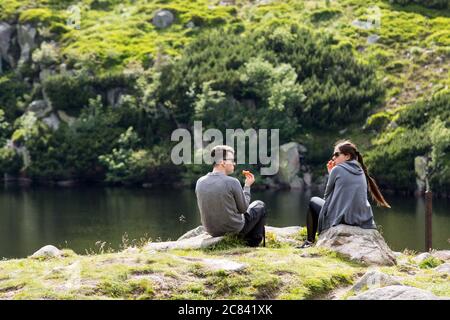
163, 19
365, 246
374, 279
396, 293
48, 251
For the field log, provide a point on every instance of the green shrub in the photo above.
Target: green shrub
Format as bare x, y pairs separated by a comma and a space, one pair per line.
10, 161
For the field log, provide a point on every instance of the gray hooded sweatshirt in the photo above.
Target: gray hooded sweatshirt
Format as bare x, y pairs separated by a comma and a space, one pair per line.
346, 198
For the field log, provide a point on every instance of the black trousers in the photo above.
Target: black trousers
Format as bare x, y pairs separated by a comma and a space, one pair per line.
312, 217
255, 218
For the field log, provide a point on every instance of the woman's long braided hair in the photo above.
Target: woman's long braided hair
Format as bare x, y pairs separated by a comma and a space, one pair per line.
349, 148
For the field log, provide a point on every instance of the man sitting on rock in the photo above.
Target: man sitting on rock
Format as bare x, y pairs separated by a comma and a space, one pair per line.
224, 204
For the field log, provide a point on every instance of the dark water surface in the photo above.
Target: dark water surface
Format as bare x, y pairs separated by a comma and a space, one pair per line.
77, 218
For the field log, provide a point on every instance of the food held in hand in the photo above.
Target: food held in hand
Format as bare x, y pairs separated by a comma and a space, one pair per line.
245, 172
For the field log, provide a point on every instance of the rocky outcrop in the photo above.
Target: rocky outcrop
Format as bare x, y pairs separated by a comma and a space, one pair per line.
48, 251
396, 293
289, 165
365, 246
6, 32
163, 19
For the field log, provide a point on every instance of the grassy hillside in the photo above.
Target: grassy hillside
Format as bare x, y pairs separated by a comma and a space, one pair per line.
404, 54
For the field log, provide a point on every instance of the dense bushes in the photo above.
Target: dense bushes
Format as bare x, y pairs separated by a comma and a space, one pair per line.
11, 88
313, 82
72, 151
423, 131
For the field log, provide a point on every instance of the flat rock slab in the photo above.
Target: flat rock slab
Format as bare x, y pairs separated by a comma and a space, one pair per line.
365, 246
198, 238
396, 293
200, 241
374, 279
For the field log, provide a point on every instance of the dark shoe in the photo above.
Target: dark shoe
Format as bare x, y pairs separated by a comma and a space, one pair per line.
305, 245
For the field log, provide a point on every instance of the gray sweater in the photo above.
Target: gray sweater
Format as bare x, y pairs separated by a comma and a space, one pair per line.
346, 198
222, 202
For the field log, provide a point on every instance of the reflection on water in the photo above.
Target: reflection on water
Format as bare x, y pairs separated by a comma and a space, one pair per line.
78, 217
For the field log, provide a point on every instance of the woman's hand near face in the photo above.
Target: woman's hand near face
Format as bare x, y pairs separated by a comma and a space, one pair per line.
330, 165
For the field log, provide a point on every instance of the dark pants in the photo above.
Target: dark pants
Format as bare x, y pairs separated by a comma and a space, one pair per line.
312, 217
255, 219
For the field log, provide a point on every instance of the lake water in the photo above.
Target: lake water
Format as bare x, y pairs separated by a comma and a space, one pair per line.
78, 217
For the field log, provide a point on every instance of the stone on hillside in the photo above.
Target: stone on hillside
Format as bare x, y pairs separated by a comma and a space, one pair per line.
40, 108
163, 19
5, 38
374, 279
227, 3
396, 293
373, 38
52, 121
114, 96
443, 268
361, 245
26, 35
47, 251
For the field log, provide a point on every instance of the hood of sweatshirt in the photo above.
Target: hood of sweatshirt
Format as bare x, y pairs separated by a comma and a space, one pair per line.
352, 166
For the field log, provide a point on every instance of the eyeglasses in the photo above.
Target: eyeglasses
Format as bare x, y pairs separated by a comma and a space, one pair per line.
335, 155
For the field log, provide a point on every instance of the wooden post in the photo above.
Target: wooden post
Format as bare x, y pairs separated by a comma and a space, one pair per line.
428, 219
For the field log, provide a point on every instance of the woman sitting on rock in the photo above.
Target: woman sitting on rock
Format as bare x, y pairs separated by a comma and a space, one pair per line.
345, 199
